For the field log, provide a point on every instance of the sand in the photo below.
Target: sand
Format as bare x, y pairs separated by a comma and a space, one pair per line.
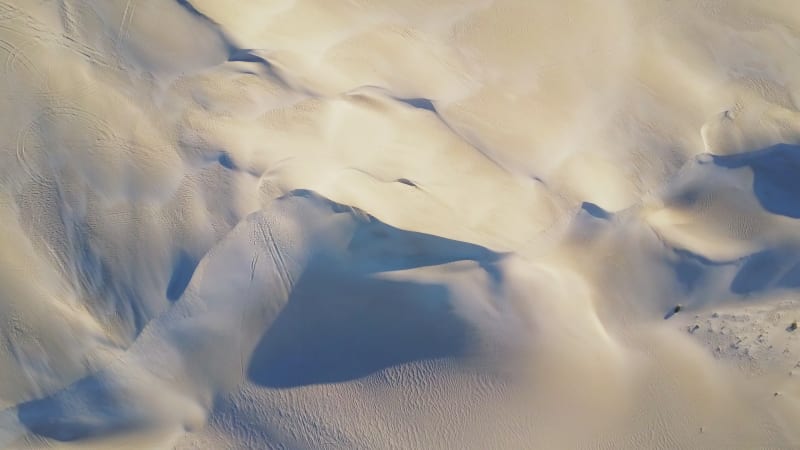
399, 224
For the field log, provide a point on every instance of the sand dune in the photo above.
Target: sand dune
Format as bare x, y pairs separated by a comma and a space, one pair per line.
399, 224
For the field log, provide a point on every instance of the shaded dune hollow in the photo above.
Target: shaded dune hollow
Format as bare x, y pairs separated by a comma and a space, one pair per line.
383, 224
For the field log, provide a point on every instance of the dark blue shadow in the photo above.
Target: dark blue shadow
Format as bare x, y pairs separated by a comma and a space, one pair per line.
226, 161
345, 321
768, 269
86, 409
595, 211
182, 271
339, 327
691, 268
419, 103
776, 173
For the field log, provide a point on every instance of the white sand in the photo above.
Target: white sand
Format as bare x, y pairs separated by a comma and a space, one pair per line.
399, 224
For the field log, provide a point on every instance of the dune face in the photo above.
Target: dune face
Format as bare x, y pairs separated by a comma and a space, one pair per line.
400, 224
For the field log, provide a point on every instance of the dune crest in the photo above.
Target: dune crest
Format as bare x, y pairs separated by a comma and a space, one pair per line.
399, 224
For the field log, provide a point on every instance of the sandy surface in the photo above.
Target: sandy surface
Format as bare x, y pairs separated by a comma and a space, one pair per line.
399, 224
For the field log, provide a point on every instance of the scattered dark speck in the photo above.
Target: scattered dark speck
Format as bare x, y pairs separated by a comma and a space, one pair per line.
406, 181
674, 311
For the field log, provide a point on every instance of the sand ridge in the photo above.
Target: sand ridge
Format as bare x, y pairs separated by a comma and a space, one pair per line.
399, 224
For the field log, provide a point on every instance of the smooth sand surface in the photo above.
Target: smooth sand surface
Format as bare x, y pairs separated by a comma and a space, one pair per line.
368, 224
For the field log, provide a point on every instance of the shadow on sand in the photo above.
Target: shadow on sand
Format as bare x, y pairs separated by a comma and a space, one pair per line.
86, 409
776, 181
344, 320
776, 185
774, 268
339, 327
182, 271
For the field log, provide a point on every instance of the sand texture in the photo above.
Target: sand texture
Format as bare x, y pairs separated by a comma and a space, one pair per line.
399, 224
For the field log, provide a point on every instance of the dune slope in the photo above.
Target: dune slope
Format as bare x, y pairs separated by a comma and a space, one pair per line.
399, 224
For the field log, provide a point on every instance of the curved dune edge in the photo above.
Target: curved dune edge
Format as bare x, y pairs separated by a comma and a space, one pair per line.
396, 224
